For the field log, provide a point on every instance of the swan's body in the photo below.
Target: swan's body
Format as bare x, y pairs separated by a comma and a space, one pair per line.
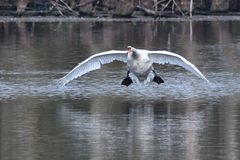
139, 64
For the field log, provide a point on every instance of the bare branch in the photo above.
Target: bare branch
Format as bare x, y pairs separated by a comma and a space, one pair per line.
61, 6
148, 11
178, 7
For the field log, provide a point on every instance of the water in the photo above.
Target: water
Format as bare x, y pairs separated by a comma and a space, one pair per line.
94, 117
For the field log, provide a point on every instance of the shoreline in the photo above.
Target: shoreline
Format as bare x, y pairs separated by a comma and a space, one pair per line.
107, 19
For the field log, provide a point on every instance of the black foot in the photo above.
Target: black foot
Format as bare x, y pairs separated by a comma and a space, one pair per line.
127, 81
158, 80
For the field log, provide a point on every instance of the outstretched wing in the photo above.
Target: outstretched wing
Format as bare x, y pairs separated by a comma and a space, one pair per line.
164, 57
92, 63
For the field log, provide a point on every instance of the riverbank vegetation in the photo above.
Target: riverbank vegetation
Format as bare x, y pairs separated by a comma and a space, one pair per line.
118, 8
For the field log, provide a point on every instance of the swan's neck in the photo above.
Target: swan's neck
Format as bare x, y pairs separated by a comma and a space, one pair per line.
135, 55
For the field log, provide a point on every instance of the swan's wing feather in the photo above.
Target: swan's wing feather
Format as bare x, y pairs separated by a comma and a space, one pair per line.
92, 63
166, 57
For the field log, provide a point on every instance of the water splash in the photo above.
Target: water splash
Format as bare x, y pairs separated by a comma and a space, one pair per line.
176, 86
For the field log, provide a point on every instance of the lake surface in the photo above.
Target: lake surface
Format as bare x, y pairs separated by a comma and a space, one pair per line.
94, 117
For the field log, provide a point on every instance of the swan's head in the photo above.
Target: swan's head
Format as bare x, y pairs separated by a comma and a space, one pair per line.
132, 52
129, 49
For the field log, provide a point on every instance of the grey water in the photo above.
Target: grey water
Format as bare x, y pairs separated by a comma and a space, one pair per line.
94, 117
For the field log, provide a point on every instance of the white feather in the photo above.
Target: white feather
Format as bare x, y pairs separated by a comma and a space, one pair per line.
166, 57
92, 63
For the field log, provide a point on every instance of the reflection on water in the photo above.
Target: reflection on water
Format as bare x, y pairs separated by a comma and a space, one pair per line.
95, 117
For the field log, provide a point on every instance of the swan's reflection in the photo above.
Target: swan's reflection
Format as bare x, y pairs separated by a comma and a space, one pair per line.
136, 130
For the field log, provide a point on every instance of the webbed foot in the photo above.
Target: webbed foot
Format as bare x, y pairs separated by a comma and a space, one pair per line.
127, 81
158, 79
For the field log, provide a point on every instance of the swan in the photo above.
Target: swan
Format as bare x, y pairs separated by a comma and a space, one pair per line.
139, 62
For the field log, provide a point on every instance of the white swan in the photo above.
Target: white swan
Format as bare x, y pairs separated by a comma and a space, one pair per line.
139, 62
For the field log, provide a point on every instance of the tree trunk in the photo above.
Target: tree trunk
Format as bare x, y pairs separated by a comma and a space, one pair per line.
21, 6
155, 6
191, 8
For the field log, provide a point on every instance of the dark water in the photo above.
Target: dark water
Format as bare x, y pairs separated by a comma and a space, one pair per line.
94, 117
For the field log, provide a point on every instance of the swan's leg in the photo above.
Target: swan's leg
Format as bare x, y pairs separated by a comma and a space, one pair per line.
150, 77
157, 79
127, 81
134, 78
